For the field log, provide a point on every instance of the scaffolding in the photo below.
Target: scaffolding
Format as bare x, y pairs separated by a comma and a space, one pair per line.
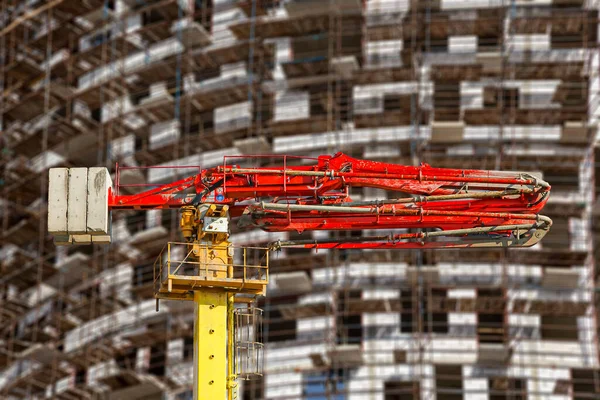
496, 84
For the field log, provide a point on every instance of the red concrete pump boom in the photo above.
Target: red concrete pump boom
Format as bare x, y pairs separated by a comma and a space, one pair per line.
432, 208
429, 208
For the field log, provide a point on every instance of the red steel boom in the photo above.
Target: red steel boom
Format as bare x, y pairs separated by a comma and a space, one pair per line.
433, 208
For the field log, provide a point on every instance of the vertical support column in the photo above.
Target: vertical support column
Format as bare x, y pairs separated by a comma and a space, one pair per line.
231, 378
210, 341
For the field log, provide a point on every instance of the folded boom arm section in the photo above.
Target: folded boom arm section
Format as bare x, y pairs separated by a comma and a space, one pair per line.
429, 208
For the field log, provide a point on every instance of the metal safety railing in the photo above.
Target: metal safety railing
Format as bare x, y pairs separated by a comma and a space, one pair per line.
249, 348
231, 162
146, 181
182, 267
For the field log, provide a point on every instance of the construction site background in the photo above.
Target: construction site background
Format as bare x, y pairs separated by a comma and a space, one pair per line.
482, 84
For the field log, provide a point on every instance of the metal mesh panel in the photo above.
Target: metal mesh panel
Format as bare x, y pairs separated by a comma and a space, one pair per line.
249, 349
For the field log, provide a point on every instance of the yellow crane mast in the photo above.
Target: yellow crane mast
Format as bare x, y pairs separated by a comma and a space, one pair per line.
208, 271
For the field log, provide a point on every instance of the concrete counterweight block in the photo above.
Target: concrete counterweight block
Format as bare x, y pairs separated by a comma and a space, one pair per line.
98, 186
57, 201
78, 205
77, 201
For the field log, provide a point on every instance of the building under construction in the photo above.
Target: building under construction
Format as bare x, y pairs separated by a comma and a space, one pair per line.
474, 84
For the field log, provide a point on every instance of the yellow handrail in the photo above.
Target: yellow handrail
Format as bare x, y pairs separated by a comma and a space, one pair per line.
202, 266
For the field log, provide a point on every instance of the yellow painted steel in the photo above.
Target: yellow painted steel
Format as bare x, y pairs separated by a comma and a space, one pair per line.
214, 286
186, 223
231, 377
214, 379
210, 345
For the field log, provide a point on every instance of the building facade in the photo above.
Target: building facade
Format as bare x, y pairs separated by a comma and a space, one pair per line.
484, 84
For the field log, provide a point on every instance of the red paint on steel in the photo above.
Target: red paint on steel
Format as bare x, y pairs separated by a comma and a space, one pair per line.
327, 181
